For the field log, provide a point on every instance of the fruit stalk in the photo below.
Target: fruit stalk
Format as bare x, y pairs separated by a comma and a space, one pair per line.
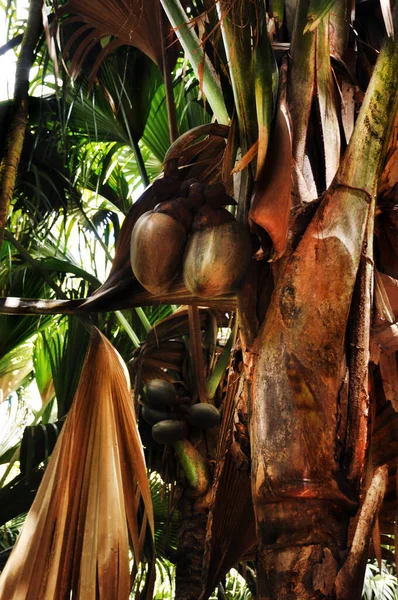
194, 465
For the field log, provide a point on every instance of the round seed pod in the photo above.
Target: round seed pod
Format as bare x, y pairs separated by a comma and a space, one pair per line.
203, 415
165, 188
214, 190
157, 244
169, 431
207, 217
196, 188
176, 209
185, 186
154, 415
196, 197
216, 259
160, 393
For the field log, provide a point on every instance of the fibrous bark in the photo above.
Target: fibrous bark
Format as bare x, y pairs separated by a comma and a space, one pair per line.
191, 544
305, 468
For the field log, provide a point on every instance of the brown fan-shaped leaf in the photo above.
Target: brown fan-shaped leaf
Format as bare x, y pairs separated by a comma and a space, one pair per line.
164, 346
130, 22
75, 540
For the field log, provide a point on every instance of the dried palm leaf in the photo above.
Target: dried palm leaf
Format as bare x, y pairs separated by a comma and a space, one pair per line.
76, 537
129, 22
385, 336
385, 433
386, 229
165, 348
387, 16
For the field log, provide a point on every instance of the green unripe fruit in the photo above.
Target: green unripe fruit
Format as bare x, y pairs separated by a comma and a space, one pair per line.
167, 432
154, 415
160, 393
203, 415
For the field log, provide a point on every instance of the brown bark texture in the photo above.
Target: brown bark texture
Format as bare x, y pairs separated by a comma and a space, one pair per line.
16, 130
307, 434
191, 545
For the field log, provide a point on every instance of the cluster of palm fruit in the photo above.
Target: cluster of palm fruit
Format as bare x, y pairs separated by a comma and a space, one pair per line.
170, 413
190, 227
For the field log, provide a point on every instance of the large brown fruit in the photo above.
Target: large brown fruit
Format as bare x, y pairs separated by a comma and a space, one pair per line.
157, 244
216, 259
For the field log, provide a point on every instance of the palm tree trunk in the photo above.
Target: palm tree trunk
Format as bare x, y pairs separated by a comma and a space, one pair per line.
191, 546
307, 543
16, 131
308, 435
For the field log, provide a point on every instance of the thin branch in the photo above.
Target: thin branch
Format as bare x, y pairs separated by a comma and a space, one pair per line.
195, 344
200, 62
11, 44
168, 81
140, 163
43, 306
126, 299
350, 572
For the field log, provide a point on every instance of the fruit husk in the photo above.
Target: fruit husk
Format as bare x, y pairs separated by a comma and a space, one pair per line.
160, 394
203, 415
207, 217
216, 196
196, 197
169, 431
177, 209
214, 190
216, 259
157, 244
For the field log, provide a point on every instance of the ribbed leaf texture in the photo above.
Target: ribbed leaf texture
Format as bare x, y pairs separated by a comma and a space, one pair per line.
75, 541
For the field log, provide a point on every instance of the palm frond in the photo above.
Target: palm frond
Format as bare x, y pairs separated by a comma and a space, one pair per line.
19, 281
129, 22
65, 346
65, 529
14, 368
